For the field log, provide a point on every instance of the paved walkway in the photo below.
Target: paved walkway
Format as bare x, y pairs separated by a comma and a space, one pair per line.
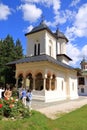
54, 109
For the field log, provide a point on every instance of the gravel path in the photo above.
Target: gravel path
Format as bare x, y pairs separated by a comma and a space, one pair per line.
55, 109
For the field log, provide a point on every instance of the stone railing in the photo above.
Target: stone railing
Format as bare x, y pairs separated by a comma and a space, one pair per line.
38, 93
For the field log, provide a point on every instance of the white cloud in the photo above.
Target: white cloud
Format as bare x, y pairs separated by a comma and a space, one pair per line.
31, 1
70, 33
31, 6
62, 17
29, 28
76, 54
74, 2
79, 28
73, 52
84, 51
4, 12
81, 21
30, 12
54, 3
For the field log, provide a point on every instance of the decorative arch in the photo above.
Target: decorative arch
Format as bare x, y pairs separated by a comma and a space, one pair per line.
29, 81
50, 48
53, 82
28, 72
20, 73
38, 71
20, 80
39, 81
48, 81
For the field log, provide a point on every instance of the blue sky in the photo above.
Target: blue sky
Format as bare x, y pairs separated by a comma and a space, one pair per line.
19, 16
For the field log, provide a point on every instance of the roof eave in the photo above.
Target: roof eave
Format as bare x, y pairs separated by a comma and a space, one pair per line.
41, 30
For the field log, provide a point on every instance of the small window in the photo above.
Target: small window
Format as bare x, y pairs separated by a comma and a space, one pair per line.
85, 66
39, 49
35, 49
73, 86
82, 90
50, 50
62, 85
81, 81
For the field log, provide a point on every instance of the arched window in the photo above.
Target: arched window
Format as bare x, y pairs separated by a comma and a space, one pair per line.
81, 81
20, 81
37, 49
48, 82
50, 48
53, 82
62, 85
73, 86
29, 81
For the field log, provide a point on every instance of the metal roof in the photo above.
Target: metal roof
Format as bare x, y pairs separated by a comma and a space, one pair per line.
43, 26
64, 55
60, 35
40, 27
40, 58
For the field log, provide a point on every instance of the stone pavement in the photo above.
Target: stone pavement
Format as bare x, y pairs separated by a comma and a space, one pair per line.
53, 110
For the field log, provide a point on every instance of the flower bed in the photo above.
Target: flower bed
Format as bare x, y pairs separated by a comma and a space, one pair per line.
13, 108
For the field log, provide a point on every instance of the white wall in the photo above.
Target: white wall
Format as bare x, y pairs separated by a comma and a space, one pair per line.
43, 37
61, 46
73, 86
33, 39
49, 37
83, 86
60, 93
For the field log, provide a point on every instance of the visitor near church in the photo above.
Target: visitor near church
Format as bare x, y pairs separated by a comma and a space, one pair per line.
1, 91
23, 94
8, 92
29, 95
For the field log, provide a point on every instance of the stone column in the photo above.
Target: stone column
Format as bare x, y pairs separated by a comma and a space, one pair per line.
17, 82
24, 82
55, 83
33, 83
50, 83
44, 81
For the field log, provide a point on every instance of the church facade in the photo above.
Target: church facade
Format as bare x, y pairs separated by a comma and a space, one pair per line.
46, 68
82, 79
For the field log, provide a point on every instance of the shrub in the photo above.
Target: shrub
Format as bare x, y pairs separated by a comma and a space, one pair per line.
13, 108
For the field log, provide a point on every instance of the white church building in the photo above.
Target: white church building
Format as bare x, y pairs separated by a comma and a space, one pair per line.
82, 79
45, 69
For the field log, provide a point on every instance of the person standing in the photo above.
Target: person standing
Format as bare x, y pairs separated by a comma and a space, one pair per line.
7, 93
1, 91
23, 93
29, 95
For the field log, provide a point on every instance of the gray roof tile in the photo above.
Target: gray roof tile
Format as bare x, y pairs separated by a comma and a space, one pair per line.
43, 26
38, 59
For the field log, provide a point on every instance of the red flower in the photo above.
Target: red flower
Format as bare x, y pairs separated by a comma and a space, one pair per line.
1, 105
13, 101
6, 98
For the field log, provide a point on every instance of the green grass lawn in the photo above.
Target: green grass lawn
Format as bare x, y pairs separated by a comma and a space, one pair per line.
76, 120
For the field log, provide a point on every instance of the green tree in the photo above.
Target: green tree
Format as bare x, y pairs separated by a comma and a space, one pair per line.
1, 61
9, 51
18, 49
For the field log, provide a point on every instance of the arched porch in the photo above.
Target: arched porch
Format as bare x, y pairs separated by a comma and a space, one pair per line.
39, 82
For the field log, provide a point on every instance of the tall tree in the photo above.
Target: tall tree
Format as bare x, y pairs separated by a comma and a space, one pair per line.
18, 49
1, 61
9, 51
